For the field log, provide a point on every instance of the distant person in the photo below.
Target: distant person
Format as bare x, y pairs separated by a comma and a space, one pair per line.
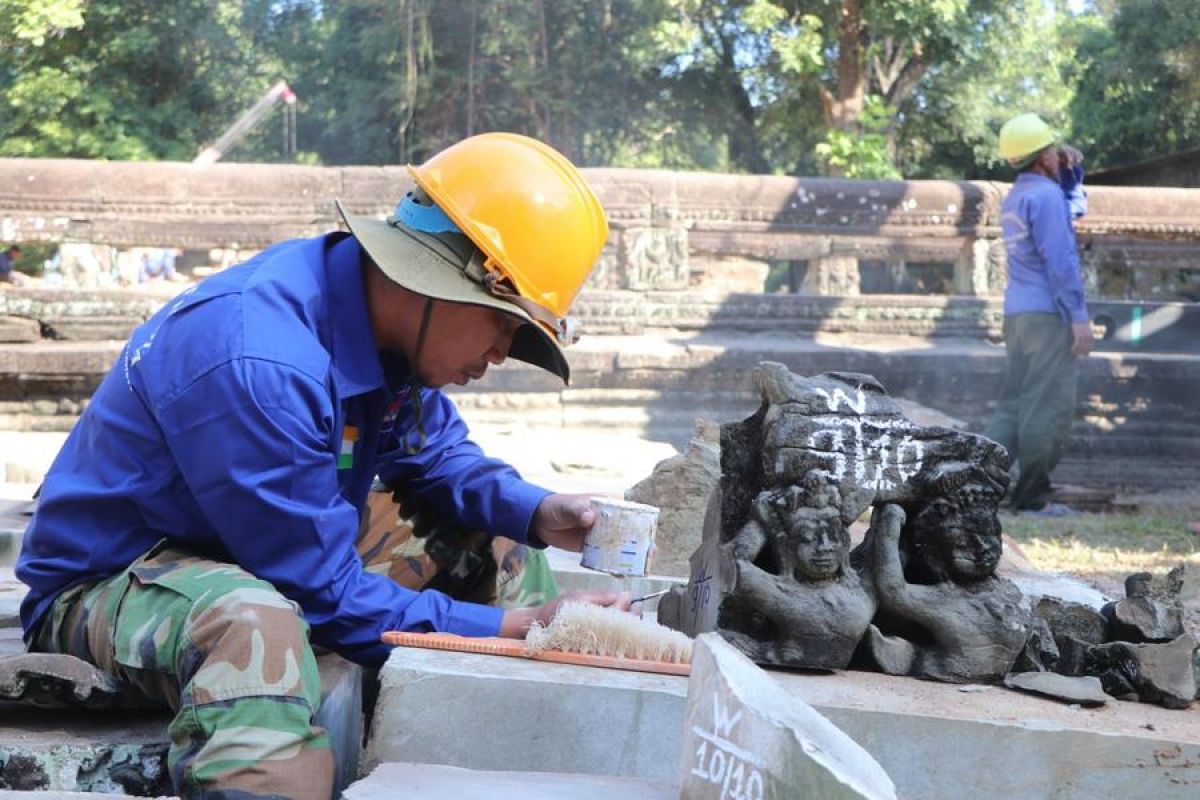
8, 274
1046, 327
158, 263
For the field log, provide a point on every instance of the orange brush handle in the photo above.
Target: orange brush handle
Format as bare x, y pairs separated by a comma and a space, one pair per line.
515, 648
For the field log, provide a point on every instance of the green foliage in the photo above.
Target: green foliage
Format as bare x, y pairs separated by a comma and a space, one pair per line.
1111, 546
396, 81
758, 86
1022, 60
863, 154
33, 21
128, 79
1139, 83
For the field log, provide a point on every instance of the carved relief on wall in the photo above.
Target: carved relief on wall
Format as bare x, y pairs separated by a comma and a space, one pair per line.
654, 258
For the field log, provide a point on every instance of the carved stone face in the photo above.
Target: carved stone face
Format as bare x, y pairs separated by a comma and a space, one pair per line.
821, 546
966, 541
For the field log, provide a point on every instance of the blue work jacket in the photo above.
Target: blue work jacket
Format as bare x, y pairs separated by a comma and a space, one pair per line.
245, 422
1043, 261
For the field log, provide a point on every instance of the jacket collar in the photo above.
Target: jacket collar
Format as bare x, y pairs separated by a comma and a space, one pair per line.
356, 359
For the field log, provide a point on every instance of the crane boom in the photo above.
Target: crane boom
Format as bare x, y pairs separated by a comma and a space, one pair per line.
277, 93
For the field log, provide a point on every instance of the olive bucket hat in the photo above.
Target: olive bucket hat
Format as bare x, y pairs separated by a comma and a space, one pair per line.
436, 260
499, 220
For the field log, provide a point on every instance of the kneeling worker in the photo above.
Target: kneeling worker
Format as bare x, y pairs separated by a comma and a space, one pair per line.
198, 527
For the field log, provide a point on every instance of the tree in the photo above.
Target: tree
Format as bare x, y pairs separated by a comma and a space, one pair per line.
1020, 57
899, 86
1139, 82
28, 23
861, 61
397, 81
129, 79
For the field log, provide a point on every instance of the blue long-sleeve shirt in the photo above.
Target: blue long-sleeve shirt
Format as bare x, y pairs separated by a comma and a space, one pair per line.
1043, 262
245, 421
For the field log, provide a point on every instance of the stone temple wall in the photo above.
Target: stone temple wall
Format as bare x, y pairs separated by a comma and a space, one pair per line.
674, 316
670, 230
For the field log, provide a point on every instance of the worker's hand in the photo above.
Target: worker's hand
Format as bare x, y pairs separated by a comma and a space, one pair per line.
562, 520
1081, 338
516, 621
1069, 156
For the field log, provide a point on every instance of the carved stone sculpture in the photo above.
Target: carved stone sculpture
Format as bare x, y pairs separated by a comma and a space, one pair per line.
973, 624
774, 574
790, 573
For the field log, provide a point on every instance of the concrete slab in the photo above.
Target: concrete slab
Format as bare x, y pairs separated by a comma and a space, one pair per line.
439, 782
934, 740
497, 713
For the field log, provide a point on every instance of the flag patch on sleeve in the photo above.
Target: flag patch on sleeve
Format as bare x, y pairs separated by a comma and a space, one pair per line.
346, 456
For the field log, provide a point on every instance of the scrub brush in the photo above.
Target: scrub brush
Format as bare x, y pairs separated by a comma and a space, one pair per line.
601, 631
580, 633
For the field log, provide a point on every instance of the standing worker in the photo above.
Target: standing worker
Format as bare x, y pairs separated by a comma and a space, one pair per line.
198, 528
1046, 326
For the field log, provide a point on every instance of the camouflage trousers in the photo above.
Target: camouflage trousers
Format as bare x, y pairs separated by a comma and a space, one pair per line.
226, 652
422, 552
231, 657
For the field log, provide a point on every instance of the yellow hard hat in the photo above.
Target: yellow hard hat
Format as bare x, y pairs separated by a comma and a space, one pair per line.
527, 208
1023, 137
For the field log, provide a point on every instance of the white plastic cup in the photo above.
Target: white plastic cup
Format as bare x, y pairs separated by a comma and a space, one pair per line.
622, 539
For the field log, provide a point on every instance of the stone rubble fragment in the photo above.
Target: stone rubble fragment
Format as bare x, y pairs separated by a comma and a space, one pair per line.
1158, 673
1084, 690
1040, 653
680, 487
1152, 610
1075, 620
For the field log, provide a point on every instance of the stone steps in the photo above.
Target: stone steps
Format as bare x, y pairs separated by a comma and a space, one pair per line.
655, 361
1133, 408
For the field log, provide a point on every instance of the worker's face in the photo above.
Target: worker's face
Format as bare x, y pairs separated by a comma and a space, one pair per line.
1047, 162
462, 341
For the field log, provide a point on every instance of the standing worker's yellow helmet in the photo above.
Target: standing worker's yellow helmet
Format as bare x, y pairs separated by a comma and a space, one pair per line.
1023, 137
526, 207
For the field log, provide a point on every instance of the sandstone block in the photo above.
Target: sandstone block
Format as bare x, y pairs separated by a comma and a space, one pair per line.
745, 737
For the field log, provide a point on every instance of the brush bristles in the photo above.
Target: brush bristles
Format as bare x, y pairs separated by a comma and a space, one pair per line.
596, 630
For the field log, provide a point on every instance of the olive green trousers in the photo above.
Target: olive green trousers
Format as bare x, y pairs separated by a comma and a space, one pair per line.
1037, 401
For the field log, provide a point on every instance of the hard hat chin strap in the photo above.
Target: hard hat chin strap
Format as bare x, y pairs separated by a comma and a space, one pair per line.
498, 285
415, 385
